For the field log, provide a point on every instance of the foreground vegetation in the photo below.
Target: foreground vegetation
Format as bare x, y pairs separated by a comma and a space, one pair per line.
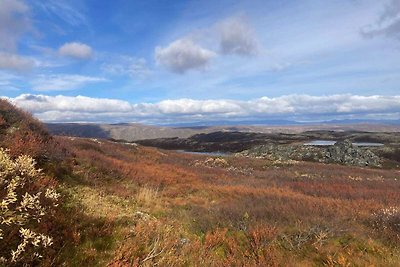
128, 205
157, 207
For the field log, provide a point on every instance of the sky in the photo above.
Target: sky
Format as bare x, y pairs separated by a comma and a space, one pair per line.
168, 62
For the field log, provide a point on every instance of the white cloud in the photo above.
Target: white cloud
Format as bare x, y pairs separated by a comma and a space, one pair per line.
183, 55
232, 35
9, 61
43, 103
62, 82
14, 21
190, 106
80, 108
76, 50
388, 23
237, 37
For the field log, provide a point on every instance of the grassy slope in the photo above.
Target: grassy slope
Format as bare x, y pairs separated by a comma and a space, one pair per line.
143, 206
126, 205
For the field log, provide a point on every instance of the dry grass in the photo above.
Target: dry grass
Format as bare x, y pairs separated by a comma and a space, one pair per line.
147, 196
159, 208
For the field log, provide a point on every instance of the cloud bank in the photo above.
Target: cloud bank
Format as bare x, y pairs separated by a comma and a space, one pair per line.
80, 108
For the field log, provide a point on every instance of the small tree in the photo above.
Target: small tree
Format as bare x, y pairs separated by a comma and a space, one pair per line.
23, 206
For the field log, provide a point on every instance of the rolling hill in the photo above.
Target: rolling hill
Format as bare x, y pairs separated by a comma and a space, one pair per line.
134, 131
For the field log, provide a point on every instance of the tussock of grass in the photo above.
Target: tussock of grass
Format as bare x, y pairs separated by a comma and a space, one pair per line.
98, 204
147, 196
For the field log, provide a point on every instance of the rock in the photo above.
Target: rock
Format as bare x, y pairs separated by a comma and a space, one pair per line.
342, 152
346, 153
139, 215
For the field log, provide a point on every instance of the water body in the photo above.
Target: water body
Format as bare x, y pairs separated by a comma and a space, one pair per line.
211, 154
320, 143
331, 143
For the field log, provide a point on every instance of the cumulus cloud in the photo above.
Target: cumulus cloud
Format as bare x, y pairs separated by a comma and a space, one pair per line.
76, 50
15, 62
388, 23
80, 108
237, 37
183, 55
62, 82
233, 35
14, 21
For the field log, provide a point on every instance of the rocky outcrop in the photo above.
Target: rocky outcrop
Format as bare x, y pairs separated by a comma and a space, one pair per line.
346, 153
343, 152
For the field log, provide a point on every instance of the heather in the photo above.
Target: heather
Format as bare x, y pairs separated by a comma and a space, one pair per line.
95, 202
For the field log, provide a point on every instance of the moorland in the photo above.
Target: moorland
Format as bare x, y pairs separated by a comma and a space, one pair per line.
126, 204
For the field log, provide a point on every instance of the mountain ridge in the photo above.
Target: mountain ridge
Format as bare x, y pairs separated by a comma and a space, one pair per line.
135, 131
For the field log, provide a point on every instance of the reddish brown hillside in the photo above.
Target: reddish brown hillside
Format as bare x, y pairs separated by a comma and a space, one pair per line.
21, 133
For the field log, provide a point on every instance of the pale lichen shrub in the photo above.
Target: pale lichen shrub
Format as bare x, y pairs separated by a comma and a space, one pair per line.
387, 220
22, 208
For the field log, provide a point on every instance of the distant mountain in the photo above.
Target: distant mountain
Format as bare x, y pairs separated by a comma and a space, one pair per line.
266, 122
358, 121
135, 131
239, 122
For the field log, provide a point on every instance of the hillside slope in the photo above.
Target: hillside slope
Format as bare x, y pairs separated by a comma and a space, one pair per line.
129, 205
23, 134
166, 208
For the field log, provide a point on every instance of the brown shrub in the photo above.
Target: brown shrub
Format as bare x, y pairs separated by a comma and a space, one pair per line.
387, 221
23, 134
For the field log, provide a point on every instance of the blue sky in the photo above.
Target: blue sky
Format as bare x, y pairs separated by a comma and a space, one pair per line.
201, 60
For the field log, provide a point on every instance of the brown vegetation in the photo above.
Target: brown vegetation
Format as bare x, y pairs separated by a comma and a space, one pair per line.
171, 208
23, 134
128, 205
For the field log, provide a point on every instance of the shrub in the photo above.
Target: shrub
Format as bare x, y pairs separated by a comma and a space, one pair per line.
387, 221
21, 133
24, 205
212, 163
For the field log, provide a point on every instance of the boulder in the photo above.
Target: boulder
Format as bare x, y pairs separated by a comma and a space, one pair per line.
342, 152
